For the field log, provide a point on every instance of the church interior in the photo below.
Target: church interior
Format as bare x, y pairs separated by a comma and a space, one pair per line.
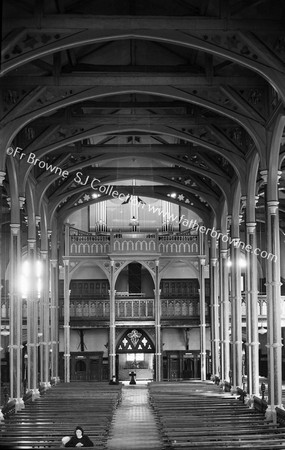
142, 203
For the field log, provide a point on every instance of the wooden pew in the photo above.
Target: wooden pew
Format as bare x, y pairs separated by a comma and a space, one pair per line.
58, 411
198, 415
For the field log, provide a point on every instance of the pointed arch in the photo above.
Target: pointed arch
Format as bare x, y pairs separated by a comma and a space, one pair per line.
135, 340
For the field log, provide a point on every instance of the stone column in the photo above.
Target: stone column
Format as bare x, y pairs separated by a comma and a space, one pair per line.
15, 345
252, 313
157, 306
66, 325
215, 340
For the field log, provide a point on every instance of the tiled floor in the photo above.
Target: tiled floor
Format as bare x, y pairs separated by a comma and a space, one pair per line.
134, 426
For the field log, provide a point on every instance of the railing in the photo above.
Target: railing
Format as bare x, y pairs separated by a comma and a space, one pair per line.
132, 242
138, 308
135, 309
181, 308
89, 308
88, 244
100, 309
180, 243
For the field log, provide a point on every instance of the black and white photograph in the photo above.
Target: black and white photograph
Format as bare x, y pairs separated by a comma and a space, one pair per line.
142, 224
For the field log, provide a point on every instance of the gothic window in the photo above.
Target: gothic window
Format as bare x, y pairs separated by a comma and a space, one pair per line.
135, 341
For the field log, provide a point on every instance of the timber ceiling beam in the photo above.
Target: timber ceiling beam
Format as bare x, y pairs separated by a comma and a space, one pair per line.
59, 22
143, 78
178, 120
136, 149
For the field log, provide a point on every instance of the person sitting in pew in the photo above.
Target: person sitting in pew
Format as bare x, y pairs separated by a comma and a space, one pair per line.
78, 440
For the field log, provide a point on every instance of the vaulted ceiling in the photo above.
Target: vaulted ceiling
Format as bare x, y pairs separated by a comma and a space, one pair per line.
174, 94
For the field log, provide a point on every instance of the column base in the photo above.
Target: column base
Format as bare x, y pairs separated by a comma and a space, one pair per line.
225, 385
216, 379
35, 394
45, 385
19, 404
234, 391
271, 414
1, 415
249, 401
55, 380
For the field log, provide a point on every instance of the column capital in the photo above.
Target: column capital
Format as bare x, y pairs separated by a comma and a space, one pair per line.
66, 262
202, 259
214, 262
264, 175
229, 221
2, 177
21, 201
274, 345
274, 283
251, 226
37, 220
243, 202
54, 263
31, 243
15, 228
273, 206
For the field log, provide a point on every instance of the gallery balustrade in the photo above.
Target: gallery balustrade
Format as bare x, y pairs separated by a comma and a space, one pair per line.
139, 242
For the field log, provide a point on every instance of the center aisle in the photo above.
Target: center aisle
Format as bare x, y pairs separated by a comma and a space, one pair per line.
134, 424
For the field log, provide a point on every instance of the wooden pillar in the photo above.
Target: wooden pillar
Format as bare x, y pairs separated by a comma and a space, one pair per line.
16, 390
43, 278
157, 305
215, 339
112, 332
252, 313
2, 177
32, 318
273, 284
66, 325
54, 320
224, 316
202, 261
236, 314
